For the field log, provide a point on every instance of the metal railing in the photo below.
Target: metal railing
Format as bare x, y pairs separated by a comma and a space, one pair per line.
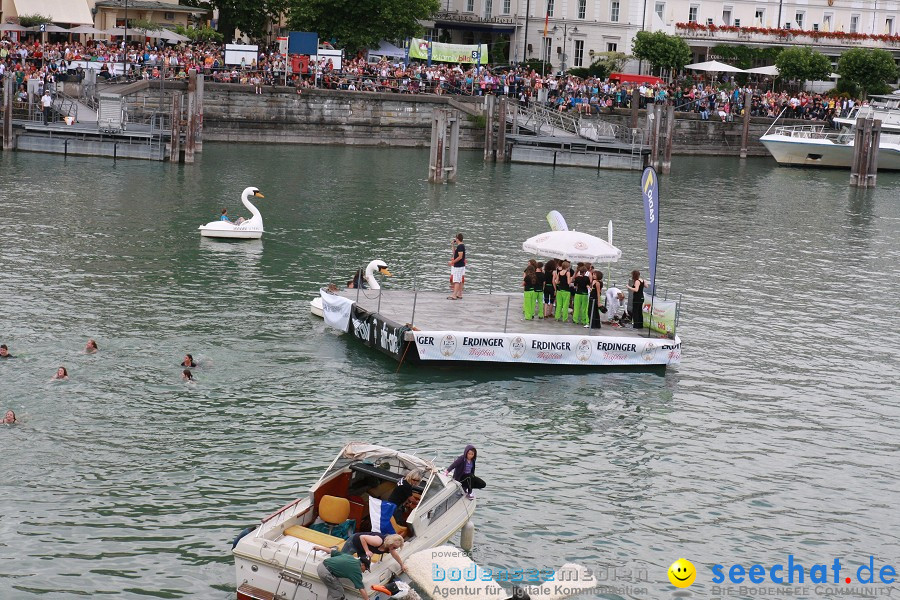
815, 132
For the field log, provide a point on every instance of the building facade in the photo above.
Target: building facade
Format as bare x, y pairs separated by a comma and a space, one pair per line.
578, 30
103, 14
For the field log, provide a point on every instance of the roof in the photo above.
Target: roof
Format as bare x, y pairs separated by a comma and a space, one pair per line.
362, 451
59, 11
150, 5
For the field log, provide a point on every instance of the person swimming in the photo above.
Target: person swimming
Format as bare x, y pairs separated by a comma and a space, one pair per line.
4, 352
61, 373
188, 361
91, 347
10, 418
186, 375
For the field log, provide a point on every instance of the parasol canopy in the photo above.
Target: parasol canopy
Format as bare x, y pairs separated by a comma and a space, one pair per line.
771, 70
572, 245
714, 66
87, 29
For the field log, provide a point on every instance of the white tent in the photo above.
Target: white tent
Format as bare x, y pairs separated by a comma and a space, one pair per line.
572, 245
714, 66
388, 49
771, 70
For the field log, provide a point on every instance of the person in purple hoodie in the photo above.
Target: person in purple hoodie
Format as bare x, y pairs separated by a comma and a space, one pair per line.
464, 471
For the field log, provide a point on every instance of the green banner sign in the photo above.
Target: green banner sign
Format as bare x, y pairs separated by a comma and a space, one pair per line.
663, 314
452, 53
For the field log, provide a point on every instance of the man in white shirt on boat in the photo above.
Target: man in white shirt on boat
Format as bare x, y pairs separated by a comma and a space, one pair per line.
614, 298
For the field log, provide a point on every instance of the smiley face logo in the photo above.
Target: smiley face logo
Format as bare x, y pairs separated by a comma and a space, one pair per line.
682, 573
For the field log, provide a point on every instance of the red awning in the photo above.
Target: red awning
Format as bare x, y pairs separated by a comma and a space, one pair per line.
633, 78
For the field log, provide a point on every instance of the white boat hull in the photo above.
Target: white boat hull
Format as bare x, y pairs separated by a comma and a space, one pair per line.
793, 151
235, 233
315, 307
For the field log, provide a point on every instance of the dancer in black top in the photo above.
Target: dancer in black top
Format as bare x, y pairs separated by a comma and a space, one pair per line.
637, 300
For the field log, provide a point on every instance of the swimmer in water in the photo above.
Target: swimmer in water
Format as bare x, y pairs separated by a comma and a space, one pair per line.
186, 375
10, 418
4, 351
61, 373
91, 347
188, 361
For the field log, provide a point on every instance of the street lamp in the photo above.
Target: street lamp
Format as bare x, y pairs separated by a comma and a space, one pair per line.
567, 37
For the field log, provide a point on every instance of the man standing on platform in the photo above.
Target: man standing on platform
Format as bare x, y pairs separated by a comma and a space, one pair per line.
46, 102
458, 268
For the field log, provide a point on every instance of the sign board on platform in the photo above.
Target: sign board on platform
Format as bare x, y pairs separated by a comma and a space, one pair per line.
664, 312
241, 54
453, 53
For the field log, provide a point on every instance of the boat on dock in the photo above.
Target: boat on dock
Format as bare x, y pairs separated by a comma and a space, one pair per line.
824, 146
428, 329
276, 559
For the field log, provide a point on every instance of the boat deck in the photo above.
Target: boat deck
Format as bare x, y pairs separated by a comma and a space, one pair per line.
481, 313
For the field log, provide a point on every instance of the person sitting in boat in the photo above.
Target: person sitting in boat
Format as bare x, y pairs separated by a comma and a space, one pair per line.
367, 543
341, 566
358, 281
224, 217
464, 471
404, 496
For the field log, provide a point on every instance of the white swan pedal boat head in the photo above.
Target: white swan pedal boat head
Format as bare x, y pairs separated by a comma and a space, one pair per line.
376, 266
251, 229
278, 557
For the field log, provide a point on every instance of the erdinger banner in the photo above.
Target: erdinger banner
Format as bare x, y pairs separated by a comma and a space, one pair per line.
454, 53
663, 314
545, 349
377, 333
335, 310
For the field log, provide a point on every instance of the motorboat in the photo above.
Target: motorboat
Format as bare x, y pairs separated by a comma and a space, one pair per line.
276, 559
823, 146
376, 266
250, 229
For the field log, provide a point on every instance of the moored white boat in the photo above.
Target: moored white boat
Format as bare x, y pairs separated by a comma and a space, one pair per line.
821, 146
277, 560
376, 266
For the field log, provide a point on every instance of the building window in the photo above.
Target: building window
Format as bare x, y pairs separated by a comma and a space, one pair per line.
854, 23
488, 8
614, 11
889, 26
760, 17
612, 47
815, 26
726, 15
579, 53
547, 43
582, 8
798, 19
506, 7
737, 22
550, 7
660, 10
692, 13
470, 5
826, 21
169, 16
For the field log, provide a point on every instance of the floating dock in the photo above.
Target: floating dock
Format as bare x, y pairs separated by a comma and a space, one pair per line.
427, 328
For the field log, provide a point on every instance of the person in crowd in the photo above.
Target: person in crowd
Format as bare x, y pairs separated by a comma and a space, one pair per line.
187, 375
368, 543
358, 281
594, 299
561, 284
9, 418
339, 566
614, 299
404, 496
458, 268
4, 351
464, 471
529, 297
549, 288
637, 300
46, 103
61, 374
91, 347
582, 290
539, 289
188, 361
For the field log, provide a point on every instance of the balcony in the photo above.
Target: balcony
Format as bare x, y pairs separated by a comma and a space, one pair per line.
766, 35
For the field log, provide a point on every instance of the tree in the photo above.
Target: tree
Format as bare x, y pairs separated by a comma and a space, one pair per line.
33, 20
360, 25
250, 16
604, 64
802, 63
661, 50
745, 57
871, 69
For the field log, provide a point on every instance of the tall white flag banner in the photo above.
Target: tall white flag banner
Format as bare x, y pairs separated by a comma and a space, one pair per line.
336, 310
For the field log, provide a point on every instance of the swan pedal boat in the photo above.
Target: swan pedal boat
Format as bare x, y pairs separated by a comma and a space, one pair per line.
376, 266
277, 560
251, 229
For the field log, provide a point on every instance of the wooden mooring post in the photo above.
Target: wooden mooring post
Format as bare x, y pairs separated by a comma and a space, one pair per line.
635, 106
653, 131
439, 170
190, 138
198, 128
864, 169
8, 90
489, 152
670, 134
745, 131
175, 135
501, 130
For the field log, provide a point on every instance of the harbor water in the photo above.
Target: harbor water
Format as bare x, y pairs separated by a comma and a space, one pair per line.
775, 436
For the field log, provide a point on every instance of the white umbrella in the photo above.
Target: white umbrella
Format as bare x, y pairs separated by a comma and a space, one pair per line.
572, 245
49, 28
714, 66
771, 70
168, 35
87, 29
12, 27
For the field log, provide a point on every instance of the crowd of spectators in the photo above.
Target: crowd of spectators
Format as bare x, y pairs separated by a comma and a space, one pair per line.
722, 100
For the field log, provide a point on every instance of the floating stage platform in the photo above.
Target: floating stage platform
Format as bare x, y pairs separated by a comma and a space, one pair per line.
429, 329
